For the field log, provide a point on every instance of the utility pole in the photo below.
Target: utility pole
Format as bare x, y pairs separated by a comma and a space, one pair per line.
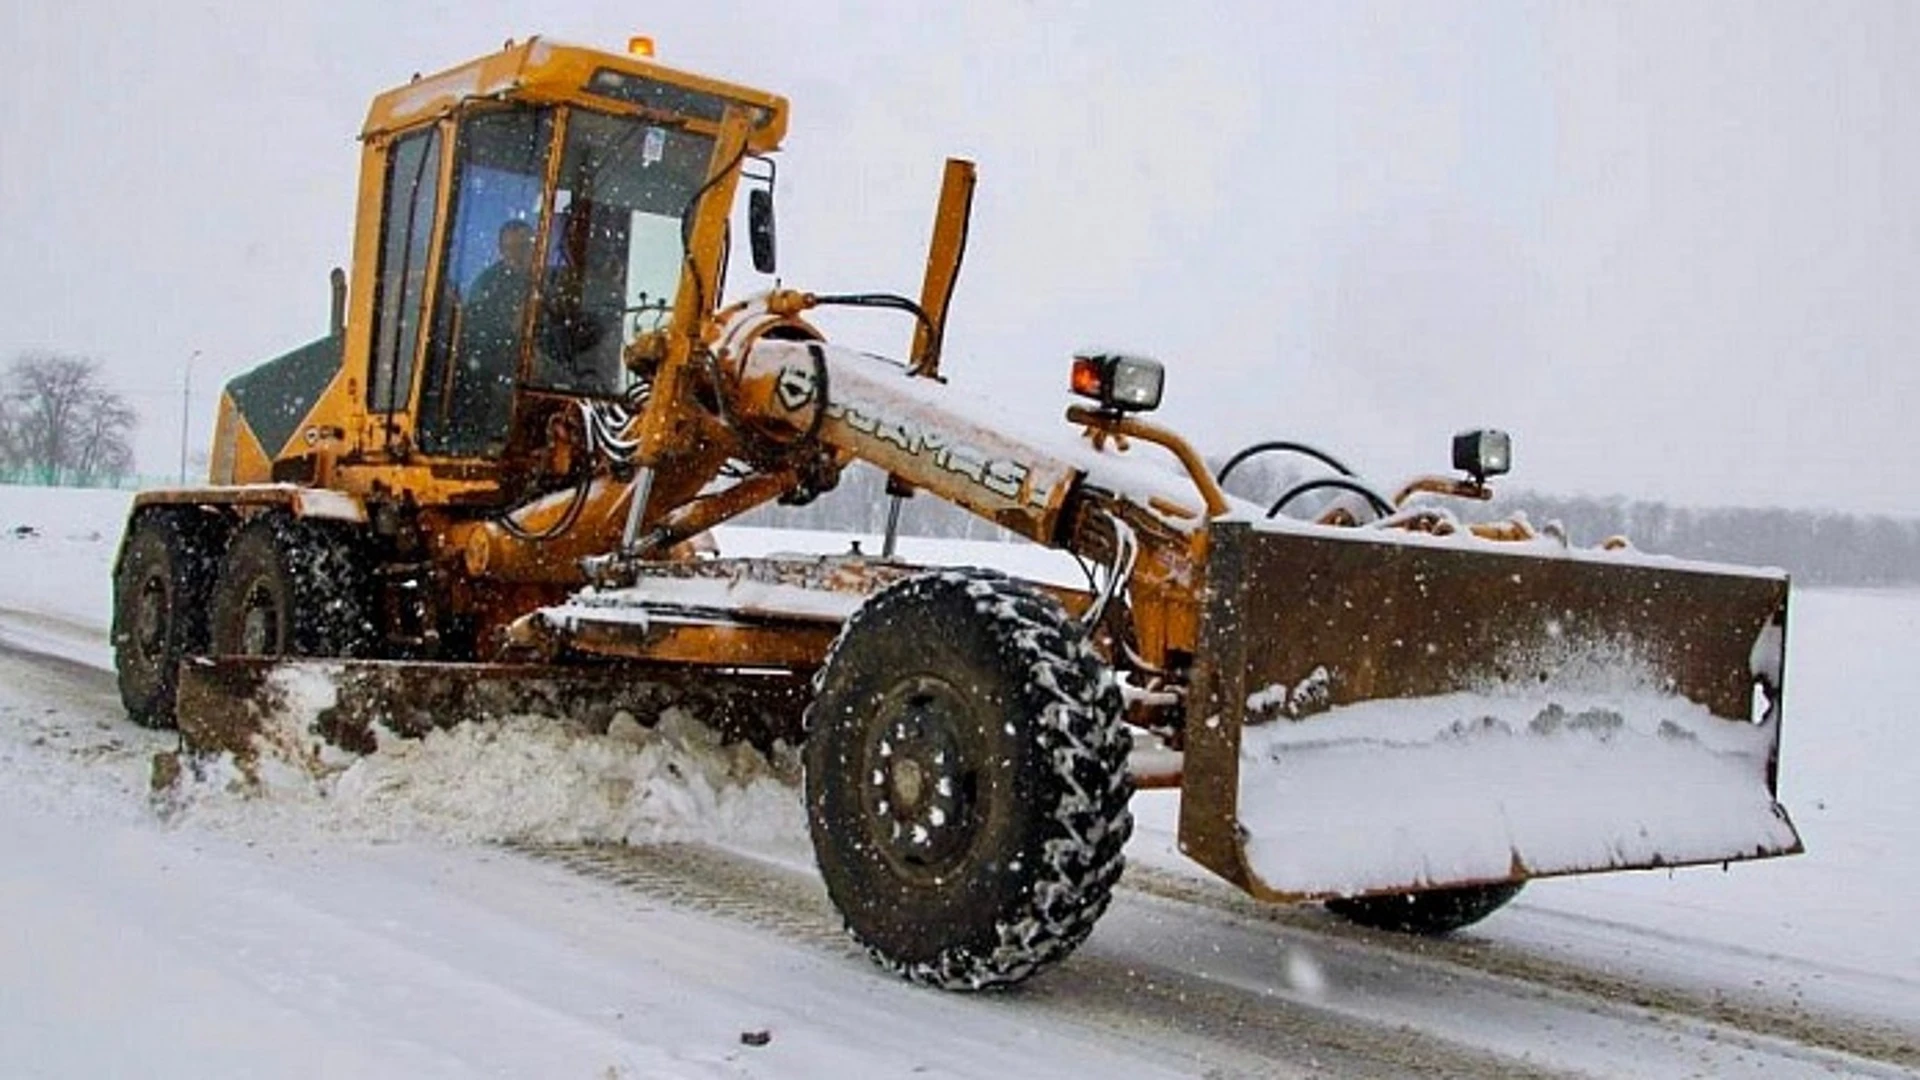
186, 410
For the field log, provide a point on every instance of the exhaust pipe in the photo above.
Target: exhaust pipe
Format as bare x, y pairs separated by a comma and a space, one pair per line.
337, 319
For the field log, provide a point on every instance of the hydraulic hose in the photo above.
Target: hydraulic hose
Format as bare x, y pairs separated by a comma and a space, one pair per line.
1380, 505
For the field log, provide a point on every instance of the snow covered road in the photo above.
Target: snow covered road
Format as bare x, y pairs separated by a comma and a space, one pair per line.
250, 937
220, 951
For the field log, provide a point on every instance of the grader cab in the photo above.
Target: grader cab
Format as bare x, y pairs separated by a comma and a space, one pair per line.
491, 488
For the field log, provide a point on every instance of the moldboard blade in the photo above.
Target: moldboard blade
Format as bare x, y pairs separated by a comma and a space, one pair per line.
1375, 711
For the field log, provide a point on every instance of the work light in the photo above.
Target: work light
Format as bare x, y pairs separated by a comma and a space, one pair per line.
1482, 453
1117, 382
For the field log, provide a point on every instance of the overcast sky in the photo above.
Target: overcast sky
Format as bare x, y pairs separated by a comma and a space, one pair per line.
1673, 248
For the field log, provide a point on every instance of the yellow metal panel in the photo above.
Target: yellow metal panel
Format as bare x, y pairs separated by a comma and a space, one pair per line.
237, 457
343, 404
944, 252
226, 434
542, 70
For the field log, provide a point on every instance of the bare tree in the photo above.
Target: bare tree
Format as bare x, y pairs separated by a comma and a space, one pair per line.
12, 454
102, 452
59, 424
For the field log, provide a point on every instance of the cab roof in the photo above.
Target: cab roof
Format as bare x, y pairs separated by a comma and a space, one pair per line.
539, 70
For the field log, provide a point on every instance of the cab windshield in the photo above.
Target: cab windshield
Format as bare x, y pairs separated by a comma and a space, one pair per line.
607, 244
612, 253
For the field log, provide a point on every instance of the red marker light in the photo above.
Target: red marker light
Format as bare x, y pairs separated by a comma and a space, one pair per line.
1088, 378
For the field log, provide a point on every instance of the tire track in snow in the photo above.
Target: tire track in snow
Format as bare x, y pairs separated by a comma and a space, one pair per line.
1230, 1031
1148, 975
32, 634
36, 640
1752, 1015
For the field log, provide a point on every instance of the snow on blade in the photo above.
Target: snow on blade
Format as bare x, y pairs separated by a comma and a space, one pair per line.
1544, 546
524, 778
1463, 787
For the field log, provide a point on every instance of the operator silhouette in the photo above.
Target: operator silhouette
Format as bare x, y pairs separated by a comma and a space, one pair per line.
492, 321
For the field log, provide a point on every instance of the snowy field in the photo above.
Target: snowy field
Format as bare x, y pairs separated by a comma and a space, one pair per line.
374, 925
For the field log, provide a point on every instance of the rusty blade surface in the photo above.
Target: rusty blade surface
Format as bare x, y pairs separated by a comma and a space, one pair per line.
227, 703
1376, 712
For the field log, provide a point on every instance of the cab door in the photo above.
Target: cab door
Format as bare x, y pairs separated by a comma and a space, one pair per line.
482, 313
404, 273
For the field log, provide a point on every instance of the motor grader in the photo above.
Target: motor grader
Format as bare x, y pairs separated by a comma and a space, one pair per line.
491, 487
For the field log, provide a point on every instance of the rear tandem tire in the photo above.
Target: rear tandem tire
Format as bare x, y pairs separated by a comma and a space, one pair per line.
1430, 913
160, 610
966, 780
290, 588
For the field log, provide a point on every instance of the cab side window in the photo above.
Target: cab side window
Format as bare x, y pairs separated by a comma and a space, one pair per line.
486, 282
406, 240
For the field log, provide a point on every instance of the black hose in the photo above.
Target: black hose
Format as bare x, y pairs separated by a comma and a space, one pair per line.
819, 355
1380, 505
881, 300
558, 528
1281, 446
686, 227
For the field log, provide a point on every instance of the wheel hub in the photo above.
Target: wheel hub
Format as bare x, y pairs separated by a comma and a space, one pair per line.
922, 780
260, 624
909, 783
150, 618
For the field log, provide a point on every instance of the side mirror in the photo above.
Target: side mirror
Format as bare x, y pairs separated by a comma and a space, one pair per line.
760, 228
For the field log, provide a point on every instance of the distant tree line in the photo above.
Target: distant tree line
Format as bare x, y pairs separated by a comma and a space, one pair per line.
59, 424
1817, 547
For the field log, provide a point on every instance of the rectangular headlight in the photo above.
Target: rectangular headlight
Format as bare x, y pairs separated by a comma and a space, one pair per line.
1483, 453
1120, 383
1137, 383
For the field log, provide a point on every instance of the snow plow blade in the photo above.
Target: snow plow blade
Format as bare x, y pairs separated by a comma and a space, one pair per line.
229, 704
1383, 712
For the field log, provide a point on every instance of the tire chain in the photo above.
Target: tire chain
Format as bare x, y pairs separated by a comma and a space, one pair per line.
1085, 859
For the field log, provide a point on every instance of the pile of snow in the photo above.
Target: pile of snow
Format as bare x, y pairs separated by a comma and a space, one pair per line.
515, 779
1461, 787
1577, 756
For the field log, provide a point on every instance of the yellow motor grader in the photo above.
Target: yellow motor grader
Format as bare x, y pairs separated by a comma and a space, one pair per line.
491, 487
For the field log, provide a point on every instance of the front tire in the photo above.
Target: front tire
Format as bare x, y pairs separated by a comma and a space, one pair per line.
1430, 913
159, 611
966, 780
290, 588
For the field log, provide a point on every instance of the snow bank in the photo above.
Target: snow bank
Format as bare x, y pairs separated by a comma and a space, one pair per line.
516, 779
